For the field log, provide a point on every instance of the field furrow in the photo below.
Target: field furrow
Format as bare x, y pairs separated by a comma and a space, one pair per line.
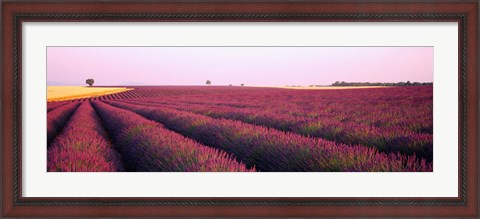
83, 146
273, 150
399, 108
52, 105
147, 146
390, 139
57, 118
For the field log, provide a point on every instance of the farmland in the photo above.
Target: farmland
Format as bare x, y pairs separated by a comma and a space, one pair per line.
60, 93
243, 129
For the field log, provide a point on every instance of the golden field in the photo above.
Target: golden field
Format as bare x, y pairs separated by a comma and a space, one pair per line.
59, 93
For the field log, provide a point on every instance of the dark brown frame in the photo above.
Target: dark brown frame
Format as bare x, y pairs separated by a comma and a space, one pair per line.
16, 12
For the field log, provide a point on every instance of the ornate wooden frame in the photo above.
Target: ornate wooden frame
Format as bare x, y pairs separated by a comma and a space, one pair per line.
16, 12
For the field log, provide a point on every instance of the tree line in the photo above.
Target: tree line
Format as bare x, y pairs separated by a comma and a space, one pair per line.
408, 83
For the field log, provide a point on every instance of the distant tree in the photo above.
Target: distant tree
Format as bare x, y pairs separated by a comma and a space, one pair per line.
401, 83
208, 82
242, 85
90, 82
230, 85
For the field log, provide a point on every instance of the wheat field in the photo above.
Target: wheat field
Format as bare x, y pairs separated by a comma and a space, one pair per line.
60, 93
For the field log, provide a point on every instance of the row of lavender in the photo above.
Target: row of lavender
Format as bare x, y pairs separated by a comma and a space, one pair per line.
140, 145
52, 105
147, 146
83, 145
272, 150
385, 139
57, 118
401, 107
324, 118
146, 92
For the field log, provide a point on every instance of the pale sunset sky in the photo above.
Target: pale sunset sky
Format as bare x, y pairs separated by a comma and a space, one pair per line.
253, 66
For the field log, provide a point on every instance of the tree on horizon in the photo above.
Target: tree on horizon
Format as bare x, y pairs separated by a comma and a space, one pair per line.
208, 82
90, 82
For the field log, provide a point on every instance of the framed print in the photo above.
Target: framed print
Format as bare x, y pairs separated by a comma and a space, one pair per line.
240, 109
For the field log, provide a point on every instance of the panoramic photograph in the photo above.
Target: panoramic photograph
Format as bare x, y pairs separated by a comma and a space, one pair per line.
239, 109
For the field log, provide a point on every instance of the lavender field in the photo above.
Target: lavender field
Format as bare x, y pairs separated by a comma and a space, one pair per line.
243, 129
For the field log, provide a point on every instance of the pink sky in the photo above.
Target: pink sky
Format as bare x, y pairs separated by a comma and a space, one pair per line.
254, 66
